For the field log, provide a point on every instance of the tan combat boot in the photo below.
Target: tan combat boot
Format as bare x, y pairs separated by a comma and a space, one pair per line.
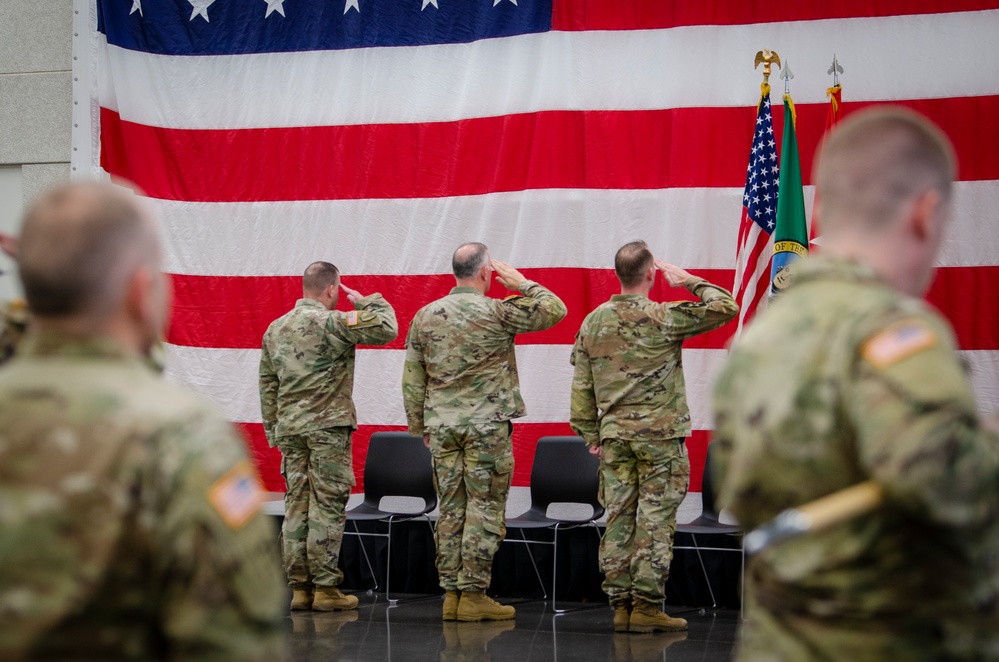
301, 599
480, 607
647, 617
451, 605
329, 598
622, 616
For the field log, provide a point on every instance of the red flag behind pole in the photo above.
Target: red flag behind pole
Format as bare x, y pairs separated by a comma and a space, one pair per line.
832, 117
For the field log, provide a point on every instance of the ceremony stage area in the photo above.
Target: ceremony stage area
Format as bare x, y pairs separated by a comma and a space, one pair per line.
411, 629
578, 575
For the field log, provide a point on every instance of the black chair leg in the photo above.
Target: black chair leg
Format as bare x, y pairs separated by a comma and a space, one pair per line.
364, 552
537, 573
704, 571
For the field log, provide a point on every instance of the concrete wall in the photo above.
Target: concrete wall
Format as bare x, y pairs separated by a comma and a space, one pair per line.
35, 107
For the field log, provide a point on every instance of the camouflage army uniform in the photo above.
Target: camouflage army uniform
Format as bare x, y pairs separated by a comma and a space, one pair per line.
306, 389
13, 325
842, 380
460, 386
629, 399
129, 525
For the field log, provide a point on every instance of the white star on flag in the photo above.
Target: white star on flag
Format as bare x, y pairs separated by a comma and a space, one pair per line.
274, 6
496, 2
352, 4
200, 8
136, 6
429, 2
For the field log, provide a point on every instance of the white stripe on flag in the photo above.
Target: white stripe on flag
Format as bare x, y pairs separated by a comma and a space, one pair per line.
752, 277
551, 71
228, 377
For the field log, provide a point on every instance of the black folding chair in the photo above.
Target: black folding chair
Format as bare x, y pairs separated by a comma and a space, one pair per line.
707, 524
397, 465
564, 471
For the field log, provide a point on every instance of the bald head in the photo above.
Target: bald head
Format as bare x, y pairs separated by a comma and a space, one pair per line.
631, 263
80, 244
876, 163
468, 259
318, 277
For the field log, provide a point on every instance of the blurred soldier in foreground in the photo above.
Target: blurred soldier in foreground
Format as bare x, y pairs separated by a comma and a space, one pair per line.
306, 397
461, 390
629, 403
130, 524
850, 377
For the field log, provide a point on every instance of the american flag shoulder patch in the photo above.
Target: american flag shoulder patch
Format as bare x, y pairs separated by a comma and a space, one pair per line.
351, 318
237, 495
898, 341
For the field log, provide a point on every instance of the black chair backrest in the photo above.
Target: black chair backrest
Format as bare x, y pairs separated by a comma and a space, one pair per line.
564, 472
708, 508
398, 465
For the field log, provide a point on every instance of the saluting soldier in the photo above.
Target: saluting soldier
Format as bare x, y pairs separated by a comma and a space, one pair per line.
306, 398
461, 389
629, 403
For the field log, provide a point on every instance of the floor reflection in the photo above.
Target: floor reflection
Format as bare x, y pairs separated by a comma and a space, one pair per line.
412, 631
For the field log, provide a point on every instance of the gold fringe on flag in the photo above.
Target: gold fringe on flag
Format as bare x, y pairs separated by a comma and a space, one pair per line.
794, 115
831, 93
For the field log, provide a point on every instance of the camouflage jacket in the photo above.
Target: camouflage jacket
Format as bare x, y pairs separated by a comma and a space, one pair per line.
460, 362
307, 364
841, 380
13, 325
129, 526
628, 378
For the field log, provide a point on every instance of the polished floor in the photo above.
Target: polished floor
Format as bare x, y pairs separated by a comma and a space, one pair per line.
412, 631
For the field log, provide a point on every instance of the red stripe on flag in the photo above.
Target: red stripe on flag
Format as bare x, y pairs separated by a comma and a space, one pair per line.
968, 121
571, 15
525, 439
757, 278
957, 293
643, 149
234, 312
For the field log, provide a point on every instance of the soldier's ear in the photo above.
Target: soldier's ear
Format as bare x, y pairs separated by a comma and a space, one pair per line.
925, 214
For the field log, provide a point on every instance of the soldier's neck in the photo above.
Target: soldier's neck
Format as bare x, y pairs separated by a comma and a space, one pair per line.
82, 327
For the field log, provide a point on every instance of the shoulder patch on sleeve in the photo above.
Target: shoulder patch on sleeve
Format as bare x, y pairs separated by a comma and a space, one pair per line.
351, 318
237, 495
513, 296
900, 340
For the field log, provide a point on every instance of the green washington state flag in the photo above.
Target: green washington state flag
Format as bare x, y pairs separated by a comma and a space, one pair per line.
791, 233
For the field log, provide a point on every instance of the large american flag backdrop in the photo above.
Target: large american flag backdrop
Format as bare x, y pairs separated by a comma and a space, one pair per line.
379, 134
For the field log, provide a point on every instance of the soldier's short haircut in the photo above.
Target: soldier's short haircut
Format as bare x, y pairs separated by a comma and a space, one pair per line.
878, 160
631, 262
468, 259
79, 245
318, 276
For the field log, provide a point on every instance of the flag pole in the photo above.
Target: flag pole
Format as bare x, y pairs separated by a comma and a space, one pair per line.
834, 94
754, 250
791, 233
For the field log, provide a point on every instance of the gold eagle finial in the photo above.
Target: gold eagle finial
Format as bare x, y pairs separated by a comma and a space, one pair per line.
766, 57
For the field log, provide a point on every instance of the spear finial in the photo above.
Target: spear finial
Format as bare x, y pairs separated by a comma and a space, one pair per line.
786, 76
835, 70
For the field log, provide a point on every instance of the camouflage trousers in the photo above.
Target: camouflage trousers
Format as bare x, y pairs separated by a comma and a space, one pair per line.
473, 465
642, 483
319, 473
